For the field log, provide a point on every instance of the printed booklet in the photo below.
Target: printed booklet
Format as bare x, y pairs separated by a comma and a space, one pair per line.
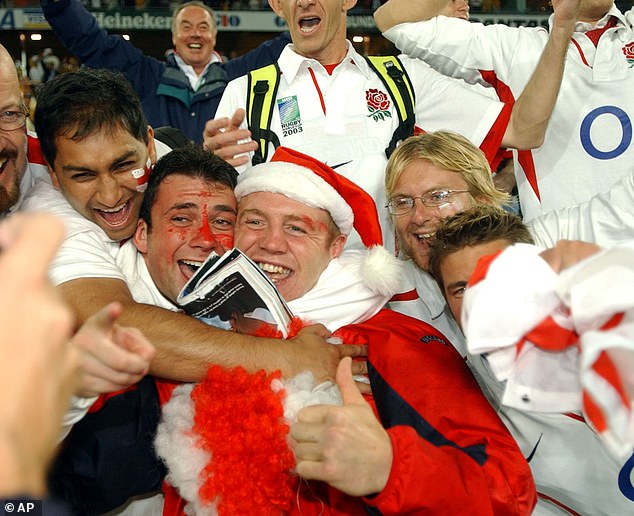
231, 291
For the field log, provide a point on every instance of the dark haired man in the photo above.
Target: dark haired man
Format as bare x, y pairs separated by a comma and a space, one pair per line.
188, 211
464, 238
100, 151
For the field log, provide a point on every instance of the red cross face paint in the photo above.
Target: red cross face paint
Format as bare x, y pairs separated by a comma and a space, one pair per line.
141, 175
190, 219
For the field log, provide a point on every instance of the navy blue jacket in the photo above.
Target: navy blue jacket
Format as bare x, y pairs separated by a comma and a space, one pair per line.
165, 92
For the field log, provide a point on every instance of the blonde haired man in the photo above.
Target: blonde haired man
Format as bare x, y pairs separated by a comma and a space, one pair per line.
434, 176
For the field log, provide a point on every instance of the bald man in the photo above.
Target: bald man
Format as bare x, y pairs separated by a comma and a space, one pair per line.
18, 172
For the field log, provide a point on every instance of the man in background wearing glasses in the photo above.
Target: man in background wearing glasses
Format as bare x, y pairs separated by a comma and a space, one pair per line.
17, 173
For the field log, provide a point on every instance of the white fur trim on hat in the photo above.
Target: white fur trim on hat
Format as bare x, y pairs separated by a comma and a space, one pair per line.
298, 183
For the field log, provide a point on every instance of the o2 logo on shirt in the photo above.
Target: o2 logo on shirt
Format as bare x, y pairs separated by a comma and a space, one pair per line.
626, 485
626, 132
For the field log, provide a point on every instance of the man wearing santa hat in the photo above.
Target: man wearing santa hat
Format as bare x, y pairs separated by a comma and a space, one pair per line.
442, 448
421, 385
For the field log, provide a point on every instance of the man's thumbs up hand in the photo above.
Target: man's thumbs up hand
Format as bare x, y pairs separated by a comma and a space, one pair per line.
345, 446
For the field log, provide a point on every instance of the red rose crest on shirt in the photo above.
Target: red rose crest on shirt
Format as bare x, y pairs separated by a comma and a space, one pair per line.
628, 51
378, 104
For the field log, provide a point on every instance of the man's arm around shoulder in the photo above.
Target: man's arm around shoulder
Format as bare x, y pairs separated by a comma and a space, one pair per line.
185, 347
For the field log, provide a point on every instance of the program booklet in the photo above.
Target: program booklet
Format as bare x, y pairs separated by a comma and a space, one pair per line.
231, 291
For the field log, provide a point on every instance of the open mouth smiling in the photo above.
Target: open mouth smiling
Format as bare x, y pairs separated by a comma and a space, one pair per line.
117, 216
274, 272
189, 267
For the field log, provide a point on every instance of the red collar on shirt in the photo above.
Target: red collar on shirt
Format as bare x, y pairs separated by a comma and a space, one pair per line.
595, 34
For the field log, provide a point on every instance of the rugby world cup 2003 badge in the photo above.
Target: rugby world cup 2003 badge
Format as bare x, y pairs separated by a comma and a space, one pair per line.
289, 115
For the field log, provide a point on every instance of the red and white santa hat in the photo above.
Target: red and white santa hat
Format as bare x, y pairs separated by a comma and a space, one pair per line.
309, 181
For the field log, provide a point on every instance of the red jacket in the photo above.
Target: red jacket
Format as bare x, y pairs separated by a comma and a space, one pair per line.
452, 454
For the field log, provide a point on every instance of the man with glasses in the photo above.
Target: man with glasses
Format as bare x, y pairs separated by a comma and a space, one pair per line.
436, 175
17, 174
429, 178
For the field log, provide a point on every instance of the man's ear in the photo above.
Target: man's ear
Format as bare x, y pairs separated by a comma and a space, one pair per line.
53, 176
140, 236
277, 8
337, 245
151, 146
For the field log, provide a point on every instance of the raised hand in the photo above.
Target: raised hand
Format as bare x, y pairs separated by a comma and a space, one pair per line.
344, 446
566, 11
223, 137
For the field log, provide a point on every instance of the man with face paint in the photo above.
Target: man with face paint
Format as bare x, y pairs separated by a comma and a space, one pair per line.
296, 231
95, 139
188, 211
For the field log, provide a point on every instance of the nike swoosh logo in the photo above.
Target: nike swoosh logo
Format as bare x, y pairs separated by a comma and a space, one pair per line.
335, 167
532, 453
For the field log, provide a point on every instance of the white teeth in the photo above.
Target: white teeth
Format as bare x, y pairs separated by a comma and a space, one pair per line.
425, 236
195, 45
191, 263
273, 269
308, 24
112, 210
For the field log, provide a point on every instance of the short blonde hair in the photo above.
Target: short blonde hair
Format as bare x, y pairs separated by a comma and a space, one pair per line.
450, 151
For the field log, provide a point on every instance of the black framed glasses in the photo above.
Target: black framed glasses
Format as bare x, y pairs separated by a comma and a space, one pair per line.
401, 204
